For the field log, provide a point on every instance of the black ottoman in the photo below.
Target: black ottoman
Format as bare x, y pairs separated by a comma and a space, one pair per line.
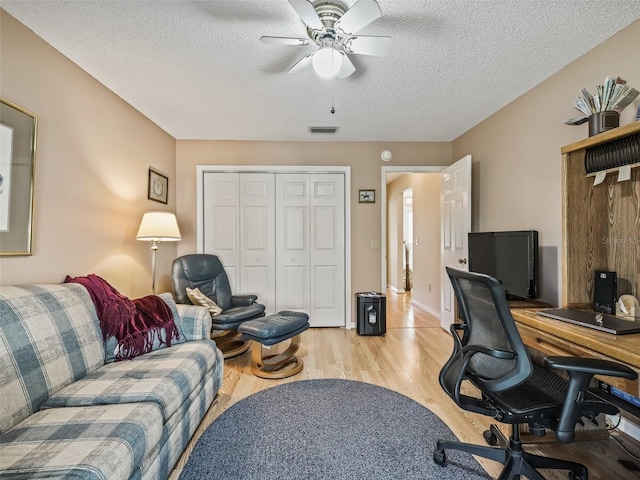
271, 330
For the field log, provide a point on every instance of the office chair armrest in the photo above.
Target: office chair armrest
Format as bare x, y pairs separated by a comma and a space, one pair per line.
593, 366
243, 300
581, 371
492, 352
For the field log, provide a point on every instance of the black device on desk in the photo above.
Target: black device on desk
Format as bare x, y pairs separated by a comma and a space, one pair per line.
605, 291
595, 320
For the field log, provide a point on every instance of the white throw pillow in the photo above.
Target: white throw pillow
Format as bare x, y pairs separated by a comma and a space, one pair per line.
199, 298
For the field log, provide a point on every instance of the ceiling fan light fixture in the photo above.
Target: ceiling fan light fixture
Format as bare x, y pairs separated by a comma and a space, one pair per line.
327, 62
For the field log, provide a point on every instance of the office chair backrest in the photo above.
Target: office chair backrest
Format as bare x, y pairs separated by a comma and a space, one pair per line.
202, 271
484, 308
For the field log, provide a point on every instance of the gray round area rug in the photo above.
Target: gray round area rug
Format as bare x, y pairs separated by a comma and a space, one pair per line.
326, 429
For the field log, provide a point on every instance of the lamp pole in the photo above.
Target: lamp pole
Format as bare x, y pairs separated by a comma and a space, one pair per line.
154, 249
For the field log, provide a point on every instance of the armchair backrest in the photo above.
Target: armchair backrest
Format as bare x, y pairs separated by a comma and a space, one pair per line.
202, 271
489, 327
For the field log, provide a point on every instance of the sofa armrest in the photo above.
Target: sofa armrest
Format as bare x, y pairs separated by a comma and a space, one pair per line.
193, 321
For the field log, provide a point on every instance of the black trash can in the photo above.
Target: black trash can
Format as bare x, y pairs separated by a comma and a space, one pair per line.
372, 313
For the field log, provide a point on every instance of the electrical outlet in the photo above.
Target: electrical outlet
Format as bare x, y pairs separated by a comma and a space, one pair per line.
375, 243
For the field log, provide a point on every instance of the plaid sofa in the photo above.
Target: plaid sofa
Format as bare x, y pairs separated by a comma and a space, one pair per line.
66, 413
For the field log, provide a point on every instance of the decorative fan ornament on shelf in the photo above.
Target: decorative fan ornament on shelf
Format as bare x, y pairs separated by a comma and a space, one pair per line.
331, 27
602, 109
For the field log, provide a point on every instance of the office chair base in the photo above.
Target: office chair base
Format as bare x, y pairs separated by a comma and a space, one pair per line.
230, 343
515, 460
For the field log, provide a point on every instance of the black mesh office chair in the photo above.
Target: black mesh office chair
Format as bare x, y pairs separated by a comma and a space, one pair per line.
489, 353
205, 272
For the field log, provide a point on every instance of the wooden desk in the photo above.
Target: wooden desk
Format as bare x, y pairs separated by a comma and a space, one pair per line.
555, 337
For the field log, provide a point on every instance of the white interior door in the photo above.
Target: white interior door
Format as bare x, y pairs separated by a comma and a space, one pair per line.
292, 242
327, 250
257, 238
221, 213
455, 206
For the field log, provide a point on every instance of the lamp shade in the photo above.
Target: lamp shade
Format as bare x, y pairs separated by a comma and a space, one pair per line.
327, 62
159, 226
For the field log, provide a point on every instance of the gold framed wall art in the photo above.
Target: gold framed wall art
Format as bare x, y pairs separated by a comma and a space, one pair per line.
18, 134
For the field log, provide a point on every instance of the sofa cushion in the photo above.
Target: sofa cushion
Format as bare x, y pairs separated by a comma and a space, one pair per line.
99, 442
165, 377
49, 337
178, 430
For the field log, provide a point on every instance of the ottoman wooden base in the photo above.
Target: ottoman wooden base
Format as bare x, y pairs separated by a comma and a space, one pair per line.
230, 343
282, 365
273, 330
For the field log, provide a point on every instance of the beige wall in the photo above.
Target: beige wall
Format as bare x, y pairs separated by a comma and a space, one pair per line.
516, 152
92, 163
362, 157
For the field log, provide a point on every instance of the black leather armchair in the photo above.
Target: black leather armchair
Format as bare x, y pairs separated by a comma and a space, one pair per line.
205, 272
489, 353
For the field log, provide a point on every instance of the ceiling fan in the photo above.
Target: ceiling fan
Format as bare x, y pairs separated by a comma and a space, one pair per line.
331, 27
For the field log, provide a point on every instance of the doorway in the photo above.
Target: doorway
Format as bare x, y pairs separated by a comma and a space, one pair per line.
411, 231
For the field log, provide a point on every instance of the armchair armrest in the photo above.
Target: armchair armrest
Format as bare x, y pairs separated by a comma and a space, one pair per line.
581, 371
243, 300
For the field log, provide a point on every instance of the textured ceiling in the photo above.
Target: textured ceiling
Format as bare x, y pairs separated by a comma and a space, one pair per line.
198, 69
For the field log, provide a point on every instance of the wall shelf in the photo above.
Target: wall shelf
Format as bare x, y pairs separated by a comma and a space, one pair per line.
612, 170
600, 226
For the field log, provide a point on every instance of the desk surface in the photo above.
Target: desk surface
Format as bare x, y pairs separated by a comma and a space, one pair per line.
622, 348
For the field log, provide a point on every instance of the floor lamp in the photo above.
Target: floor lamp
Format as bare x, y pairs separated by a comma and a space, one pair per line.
158, 227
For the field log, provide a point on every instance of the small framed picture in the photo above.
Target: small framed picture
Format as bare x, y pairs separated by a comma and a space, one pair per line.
158, 186
367, 196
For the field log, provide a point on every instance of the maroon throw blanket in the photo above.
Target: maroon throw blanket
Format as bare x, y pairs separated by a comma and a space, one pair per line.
135, 323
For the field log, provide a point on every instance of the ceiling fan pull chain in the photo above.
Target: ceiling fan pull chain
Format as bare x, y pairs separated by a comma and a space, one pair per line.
333, 91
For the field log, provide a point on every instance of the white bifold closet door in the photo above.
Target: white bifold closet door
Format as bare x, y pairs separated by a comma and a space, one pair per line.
282, 237
239, 223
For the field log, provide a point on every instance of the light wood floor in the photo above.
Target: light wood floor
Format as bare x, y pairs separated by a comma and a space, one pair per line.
407, 360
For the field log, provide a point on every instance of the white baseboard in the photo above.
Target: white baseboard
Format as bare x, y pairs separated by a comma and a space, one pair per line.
426, 309
627, 427
395, 290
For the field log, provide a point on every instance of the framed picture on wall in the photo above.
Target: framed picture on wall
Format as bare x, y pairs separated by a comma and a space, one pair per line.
158, 186
18, 133
367, 196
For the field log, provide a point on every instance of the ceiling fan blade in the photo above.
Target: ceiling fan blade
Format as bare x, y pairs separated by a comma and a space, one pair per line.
363, 45
303, 63
307, 13
360, 15
347, 67
285, 41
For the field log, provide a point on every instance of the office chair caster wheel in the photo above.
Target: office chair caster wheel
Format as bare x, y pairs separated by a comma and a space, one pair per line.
490, 437
576, 476
440, 458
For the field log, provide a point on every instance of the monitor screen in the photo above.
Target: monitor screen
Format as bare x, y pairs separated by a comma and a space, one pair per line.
509, 257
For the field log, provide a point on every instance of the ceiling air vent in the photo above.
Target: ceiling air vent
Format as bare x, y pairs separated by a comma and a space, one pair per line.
324, 129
